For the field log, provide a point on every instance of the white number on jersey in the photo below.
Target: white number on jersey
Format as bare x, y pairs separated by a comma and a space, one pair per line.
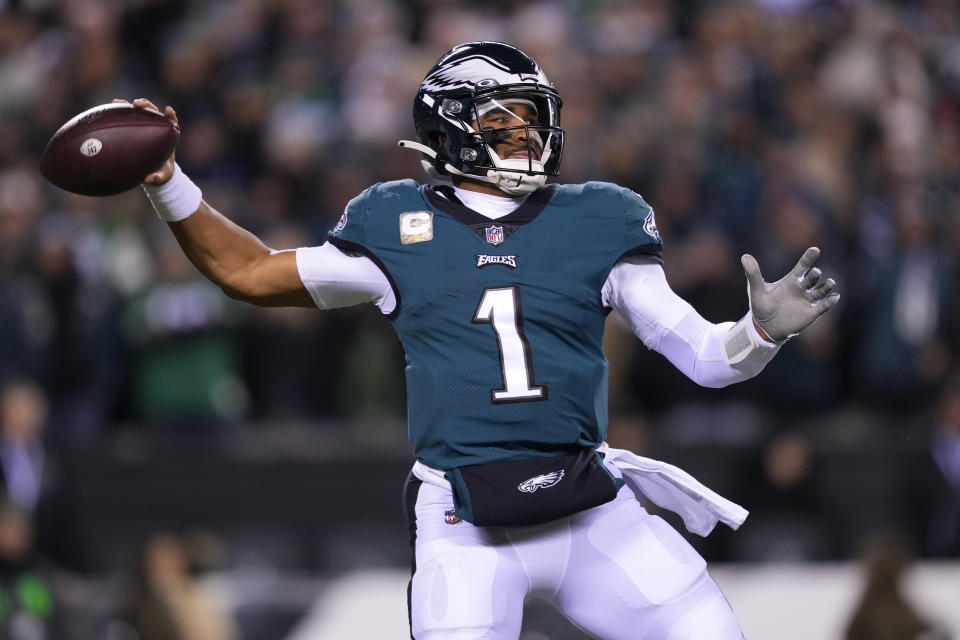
500, 308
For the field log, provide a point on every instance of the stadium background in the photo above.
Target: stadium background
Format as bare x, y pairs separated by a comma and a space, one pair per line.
191, 463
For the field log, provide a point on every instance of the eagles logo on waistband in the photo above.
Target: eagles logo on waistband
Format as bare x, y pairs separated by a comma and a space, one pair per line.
484, 260
541, 482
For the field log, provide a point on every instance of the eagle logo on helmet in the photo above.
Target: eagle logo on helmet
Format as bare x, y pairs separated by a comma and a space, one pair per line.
475, 71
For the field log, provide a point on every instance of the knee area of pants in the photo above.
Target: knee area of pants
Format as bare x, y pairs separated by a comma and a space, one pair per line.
465, 595
709, 618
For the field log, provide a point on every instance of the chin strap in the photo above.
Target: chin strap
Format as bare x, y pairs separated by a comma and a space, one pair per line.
513, 183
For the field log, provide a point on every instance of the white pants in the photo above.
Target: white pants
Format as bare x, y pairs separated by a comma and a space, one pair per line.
616, 571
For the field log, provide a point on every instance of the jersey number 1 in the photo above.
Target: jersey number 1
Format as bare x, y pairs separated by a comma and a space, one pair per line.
500, 308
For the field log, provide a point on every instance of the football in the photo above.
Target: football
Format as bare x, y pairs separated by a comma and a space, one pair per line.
108, 149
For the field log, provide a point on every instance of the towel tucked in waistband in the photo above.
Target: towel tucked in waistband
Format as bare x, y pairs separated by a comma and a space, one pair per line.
665, 485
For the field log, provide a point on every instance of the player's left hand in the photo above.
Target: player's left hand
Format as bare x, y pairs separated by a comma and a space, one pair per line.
784, 308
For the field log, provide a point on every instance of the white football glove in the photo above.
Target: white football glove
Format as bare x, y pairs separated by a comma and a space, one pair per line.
786, 307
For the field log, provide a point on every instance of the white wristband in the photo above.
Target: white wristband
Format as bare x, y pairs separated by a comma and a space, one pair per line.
176, 199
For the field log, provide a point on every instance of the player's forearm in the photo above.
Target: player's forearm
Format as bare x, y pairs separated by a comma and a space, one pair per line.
221, 250
698, 348
228, 255
712, 355
715, 362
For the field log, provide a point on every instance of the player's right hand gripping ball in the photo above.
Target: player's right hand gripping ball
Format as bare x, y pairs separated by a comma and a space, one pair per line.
108, 149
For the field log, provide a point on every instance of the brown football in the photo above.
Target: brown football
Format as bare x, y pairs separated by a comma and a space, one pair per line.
108, 149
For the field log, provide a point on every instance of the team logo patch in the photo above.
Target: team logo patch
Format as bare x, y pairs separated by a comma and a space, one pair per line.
494, 235
451, 517
484, 260
416, 226
650, 225
541, 482
341, 223
476, 70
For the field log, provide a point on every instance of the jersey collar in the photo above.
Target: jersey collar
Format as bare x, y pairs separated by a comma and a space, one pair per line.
443, 198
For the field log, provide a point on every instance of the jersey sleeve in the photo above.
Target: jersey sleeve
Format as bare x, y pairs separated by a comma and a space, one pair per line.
355, 234
641, 237
350, 232
335, 279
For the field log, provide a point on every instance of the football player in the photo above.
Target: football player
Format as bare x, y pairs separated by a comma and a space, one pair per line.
498, 286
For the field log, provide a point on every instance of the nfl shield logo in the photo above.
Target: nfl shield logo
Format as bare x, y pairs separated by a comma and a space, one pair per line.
494, 235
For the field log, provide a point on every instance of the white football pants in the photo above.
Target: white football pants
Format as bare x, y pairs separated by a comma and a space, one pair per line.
615, 571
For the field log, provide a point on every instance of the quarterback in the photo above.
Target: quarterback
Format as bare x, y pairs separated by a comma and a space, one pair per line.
498, 285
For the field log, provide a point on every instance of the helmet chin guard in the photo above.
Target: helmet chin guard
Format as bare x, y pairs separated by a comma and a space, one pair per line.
515, 181
457, 117
512, 177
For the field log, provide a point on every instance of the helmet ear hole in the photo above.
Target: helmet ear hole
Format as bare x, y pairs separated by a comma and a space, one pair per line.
436, 139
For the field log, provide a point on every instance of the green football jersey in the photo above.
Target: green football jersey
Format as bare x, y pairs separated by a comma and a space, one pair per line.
501, 320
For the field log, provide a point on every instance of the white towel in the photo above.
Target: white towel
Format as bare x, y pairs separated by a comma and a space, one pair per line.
675, 490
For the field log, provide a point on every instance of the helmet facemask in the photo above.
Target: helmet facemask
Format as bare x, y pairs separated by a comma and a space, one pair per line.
529, 122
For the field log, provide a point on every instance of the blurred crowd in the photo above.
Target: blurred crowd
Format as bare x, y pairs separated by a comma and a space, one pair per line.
761, 126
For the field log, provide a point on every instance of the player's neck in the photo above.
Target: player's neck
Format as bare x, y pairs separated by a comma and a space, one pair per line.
485, 198
492, 206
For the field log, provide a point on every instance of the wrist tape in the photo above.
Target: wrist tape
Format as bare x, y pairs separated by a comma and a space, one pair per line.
176, 199
742, 342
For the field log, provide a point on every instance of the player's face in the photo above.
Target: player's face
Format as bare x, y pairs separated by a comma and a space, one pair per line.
513, 143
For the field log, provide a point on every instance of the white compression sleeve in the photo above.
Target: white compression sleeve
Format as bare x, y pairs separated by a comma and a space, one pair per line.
637, 289
336, 279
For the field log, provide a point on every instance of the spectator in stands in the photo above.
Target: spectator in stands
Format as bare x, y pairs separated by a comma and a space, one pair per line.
24, 470
29, 609
789, 522
902, 352
809, 379
935, 478
54, 314
884, 613
29, 475
186, 361
169, 603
